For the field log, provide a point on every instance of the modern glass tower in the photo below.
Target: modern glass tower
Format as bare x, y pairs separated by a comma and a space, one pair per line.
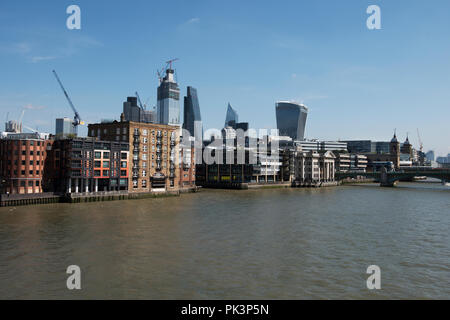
191, 115
168, 107
291, 119
232, 117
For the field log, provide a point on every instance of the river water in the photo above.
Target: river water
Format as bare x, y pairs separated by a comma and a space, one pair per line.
223, 244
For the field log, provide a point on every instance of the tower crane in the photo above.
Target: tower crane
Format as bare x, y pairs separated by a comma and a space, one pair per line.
21, 117
420, 140
140, 102
76, 119
31, 129
169, 63
168, 66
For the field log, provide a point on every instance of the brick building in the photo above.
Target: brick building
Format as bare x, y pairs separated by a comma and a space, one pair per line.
22, 162
87, 165
156, 159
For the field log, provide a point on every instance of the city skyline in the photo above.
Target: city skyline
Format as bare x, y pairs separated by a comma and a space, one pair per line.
359, 84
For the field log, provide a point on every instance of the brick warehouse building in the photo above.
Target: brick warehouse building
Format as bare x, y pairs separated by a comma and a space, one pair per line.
88, 165
23, 159
157, 163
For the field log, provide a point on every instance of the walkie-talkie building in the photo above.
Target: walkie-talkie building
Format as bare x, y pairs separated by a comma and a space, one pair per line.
291, 119
168, 107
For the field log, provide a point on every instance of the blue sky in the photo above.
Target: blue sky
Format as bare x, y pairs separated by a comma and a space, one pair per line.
358, 83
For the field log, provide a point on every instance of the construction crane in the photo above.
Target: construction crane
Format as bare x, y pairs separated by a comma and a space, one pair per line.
420, 140
169, 63
76, 119
140, 102
31, 129
168, 66
21, 117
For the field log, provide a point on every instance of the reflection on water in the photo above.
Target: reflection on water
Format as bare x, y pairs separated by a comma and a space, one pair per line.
217, 244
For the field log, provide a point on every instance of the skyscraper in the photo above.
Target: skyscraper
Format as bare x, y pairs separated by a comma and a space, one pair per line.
168, 107
131, 110
64, 127
291, 119
232, 117
430, 155
191, 115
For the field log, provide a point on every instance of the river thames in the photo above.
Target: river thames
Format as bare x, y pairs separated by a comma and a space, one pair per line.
224, 244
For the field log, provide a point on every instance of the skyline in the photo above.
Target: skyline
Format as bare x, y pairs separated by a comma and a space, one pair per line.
319, 54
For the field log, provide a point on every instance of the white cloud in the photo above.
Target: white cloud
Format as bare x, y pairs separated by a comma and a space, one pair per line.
21, 48
31, 107
193, 20
41, 58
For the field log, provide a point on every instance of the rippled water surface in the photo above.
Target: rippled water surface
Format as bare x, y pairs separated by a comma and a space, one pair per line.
219, 244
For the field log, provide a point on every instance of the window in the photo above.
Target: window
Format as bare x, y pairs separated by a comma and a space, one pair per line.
144, 156
22, 183
144, 132
124, 130
97, 173
38, 162
144, 140
37, 182
97, 164
124, 156
105, 173
31, 152
105, 164
30, 172
37, 172
105, 154
144, 173
30, 183
38, 143
123, 172
144, 183
23, 162
98, 155
117, 130
123, 164
24, 152
31, 162
38, 153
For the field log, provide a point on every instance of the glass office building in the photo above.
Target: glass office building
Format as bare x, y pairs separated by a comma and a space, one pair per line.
291, 119
168, 106
191, 115
65, 127
232, 117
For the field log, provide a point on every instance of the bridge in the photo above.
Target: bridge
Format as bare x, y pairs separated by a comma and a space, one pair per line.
390, 179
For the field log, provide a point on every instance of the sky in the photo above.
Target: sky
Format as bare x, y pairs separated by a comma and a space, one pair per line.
358, 83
